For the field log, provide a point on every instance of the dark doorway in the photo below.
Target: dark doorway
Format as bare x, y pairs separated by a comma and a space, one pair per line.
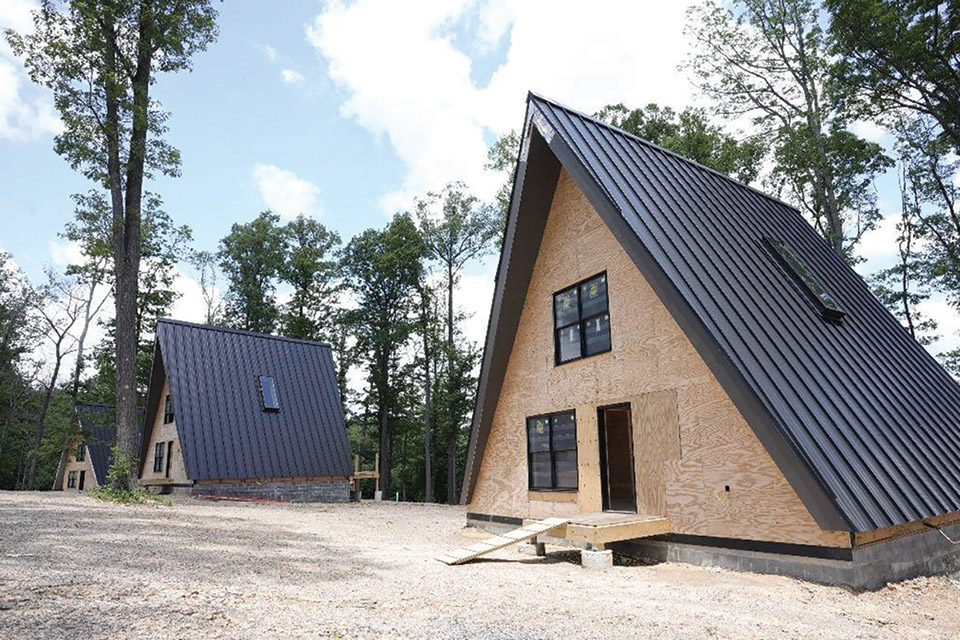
83, 479
616, 459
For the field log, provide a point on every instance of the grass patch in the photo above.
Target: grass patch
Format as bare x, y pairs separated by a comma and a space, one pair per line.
129, 496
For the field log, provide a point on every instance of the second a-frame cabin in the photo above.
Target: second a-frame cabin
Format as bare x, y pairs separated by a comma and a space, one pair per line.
669, 346
86, 458
242, 414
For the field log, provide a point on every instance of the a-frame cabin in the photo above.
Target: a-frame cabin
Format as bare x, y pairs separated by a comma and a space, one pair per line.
667, 342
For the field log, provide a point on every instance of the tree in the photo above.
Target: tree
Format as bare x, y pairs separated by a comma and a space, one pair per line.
58, 308
903, 287
312, 270
100, 58
899, 55
691, 135
383, 269
206, 263
771, 63
456, 228
252, 257
502, 158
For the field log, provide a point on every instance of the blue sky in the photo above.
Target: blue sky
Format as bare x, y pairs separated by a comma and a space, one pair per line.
347, 111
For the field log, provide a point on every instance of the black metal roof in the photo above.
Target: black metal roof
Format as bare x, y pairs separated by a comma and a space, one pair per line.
223, 431
98, 424
863, 422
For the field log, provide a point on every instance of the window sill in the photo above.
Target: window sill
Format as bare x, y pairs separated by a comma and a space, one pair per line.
553, 495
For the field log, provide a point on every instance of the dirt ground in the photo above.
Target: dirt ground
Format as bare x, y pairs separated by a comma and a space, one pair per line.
75, 567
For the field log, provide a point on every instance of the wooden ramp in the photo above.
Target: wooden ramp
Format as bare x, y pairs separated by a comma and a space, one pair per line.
499, 542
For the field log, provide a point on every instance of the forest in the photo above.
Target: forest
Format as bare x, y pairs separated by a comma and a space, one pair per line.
785, 84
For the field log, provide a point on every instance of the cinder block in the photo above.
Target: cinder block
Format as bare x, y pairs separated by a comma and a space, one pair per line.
596, 560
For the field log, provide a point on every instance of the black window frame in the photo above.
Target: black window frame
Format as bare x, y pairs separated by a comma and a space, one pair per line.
81, 453
71, 480
553, 460
812, 287
581, 322
169, 413
166, 472
158, 450
275, 408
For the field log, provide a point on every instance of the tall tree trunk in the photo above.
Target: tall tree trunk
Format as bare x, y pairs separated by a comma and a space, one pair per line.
428, 402
383, 413
41, 420
451, 418
127, 247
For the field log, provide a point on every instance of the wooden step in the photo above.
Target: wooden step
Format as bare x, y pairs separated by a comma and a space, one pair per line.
466, 554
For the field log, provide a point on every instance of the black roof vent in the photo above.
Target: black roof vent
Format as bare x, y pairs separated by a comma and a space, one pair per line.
824, 302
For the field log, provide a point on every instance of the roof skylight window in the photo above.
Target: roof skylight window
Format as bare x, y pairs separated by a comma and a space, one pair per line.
814, 289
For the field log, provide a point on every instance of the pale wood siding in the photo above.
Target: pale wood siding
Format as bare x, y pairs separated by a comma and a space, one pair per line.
691, 443
160, 432
90, 481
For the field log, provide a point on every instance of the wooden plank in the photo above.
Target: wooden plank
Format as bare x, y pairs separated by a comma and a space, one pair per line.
601, 534
459, 556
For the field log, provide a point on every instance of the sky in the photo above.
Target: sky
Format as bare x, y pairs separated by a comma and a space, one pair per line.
345, 111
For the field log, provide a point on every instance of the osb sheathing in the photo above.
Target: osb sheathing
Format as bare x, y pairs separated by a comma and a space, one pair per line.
690, 442
164, 433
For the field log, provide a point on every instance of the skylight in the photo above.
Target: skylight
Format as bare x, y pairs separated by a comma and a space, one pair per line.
827, 306
268, 394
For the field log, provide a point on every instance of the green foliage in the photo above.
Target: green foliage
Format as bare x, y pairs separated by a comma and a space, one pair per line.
502, 158
691, 135
129, 496
252, 257
769, 61
897, 55
311, 268
122, 469
91, 54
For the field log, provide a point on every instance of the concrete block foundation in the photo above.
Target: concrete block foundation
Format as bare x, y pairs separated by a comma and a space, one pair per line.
596, 560
309, 491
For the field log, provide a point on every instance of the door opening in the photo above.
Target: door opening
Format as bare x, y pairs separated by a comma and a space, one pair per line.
83, 479
616, 459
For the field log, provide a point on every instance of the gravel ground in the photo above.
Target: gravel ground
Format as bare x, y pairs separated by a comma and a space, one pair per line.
75, 567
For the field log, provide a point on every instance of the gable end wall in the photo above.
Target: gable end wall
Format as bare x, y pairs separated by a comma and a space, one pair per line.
690, 442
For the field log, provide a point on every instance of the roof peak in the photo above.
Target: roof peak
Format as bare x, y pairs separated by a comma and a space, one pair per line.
536, 96
243, 332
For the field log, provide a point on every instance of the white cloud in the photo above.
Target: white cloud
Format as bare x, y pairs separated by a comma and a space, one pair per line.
64, 254
290, 76
422, 95
868, 130
270, 52
22, 117
474, 296
881, 242
284, 193
190, 306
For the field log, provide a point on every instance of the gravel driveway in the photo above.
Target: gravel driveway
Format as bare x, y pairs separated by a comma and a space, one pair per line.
75, 567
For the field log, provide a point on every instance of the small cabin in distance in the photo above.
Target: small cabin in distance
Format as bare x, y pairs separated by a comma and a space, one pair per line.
236, 413
669, 346
85, 460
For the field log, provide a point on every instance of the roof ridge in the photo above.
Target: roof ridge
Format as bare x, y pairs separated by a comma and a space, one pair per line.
657, 147
243, 332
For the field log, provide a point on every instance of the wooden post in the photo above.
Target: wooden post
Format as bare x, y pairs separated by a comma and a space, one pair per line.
376, 467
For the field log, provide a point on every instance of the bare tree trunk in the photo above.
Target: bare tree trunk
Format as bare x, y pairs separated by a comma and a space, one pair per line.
41, 420
428, 402
452, 442
383, 413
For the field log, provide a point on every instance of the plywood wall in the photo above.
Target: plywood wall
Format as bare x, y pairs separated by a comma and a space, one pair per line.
164, 433
691, 443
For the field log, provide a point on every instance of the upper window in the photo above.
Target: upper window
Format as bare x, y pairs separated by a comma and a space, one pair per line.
552, 452
581, 320
81, 453
268, 394
158, 450
168, 410
828, 307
